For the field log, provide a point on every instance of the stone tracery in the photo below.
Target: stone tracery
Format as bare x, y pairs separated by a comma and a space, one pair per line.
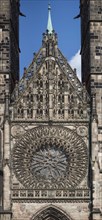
51, 213
50, 155
49, 163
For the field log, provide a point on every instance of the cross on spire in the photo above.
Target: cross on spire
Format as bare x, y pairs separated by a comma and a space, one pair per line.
49, 24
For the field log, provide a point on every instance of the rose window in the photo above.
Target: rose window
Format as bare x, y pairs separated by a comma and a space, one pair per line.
50, 157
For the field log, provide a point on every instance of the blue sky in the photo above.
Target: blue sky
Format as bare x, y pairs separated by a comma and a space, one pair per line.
35, 24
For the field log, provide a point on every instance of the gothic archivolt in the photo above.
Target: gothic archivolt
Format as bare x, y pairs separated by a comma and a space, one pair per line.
51, 213
50, 157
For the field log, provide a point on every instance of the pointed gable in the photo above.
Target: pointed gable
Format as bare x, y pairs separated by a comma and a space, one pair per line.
49, 88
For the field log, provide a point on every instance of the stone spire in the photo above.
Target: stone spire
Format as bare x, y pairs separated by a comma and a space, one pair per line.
49, 24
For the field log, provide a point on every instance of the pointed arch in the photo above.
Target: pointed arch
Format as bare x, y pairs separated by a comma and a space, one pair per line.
51, 212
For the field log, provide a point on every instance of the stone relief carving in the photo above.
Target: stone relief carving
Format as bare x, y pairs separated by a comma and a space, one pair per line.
50, 157
82, 131
17, 130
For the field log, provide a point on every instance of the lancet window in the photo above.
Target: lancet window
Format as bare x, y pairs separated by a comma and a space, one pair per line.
29, 112
20, 112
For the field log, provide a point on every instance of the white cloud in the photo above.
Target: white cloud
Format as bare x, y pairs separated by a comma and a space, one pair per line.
75, 62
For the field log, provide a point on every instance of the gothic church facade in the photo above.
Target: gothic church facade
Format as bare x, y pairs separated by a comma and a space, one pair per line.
51, 123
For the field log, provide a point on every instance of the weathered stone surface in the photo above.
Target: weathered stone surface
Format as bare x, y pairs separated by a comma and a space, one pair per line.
51, 132
91, 32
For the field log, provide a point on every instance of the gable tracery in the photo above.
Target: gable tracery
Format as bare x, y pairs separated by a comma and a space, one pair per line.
50, 89
50, 96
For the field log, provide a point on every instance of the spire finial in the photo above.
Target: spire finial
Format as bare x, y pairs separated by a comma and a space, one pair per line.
49, 24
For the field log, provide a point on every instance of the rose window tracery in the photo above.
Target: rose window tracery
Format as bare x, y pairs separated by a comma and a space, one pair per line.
49, 164
50, 157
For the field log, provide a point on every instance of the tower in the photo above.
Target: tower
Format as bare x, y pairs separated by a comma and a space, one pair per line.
91, 53
9, 39
9, 74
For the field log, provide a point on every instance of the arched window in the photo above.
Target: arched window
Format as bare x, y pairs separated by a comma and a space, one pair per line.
37, 83
59, 98
63, 112
37, 97
30, 113
59, 83
41, 98
41, 84
62, 83
62, 98
72, 98
20, 112
80, 112
59, 111
41, 111
71, 113
31, 97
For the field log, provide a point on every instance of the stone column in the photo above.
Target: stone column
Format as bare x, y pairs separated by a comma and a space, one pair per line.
6, 153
